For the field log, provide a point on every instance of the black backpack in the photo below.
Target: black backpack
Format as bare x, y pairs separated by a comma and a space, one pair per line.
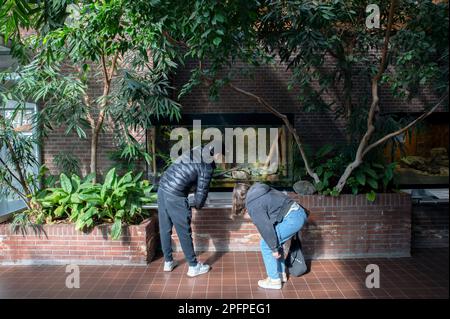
295, 261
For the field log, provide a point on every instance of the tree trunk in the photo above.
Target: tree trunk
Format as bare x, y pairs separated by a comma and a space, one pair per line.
94, 144
94, 141
374, 107
96, 127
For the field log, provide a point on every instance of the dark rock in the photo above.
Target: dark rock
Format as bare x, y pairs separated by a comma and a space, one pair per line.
240, 175
439, 157
304, 188
439, 152
416, 162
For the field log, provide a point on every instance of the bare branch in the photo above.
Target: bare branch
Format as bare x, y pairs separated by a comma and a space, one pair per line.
113, 65
9, 171
173, 41
400, 131
285, 119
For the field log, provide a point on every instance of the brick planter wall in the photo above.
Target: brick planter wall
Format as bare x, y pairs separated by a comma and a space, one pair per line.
430, 226
62, 244
343, 227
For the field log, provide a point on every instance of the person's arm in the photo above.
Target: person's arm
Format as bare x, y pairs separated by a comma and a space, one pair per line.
204, 176
267, 230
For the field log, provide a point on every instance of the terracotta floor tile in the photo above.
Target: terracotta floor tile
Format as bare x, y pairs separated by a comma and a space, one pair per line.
235, 275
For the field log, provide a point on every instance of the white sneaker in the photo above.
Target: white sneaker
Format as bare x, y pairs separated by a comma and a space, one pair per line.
270, 283
198, 270
170, 265
283, 277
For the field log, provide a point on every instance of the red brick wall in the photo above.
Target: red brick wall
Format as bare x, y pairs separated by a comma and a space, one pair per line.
57, 141
269, 82
343, 227
61, 243
430, 226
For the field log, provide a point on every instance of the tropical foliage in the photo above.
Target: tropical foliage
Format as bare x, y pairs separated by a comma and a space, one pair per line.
91, 67
118, 200
136, 45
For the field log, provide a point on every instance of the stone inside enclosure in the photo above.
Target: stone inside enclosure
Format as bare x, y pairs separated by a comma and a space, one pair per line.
304, 188
436, 164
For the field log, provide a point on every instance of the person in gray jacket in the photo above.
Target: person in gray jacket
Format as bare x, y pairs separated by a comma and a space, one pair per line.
277, 218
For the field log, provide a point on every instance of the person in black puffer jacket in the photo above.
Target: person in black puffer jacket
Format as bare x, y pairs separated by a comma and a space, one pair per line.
174, 209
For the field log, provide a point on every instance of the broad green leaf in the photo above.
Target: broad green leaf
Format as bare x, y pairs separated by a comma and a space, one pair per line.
371, 172
373, 183
110, 178
324, 150
59, 211
361, 178
327, 175
75, 182
75, 198
65, 183
335, 192
116, 229
371, 196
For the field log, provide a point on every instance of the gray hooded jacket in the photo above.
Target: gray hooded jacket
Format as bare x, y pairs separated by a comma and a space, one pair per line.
267, 207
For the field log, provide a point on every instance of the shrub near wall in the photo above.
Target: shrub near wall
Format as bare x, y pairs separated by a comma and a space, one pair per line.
339, 227
62, 244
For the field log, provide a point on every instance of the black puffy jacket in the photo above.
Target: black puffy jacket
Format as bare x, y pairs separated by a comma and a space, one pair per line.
181, 176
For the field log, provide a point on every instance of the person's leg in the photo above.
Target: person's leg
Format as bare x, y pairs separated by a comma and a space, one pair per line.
272, 281
269, 261
165, 226
180, 213
281, 266
290, 225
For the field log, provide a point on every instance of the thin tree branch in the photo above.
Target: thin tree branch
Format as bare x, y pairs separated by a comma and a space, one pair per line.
285, 119
400, 131
14, 189
113, 65
9, 171
387, 38
173, 41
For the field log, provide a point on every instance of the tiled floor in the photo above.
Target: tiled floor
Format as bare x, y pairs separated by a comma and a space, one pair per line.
234, 275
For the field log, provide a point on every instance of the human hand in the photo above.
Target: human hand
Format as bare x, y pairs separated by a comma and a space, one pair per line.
276, 254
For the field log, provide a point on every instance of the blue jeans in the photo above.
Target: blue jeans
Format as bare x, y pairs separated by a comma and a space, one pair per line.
288, 227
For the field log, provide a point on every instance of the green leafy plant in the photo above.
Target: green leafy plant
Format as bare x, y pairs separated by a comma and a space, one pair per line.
371, 178
118, 200
328, 172
89, 36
